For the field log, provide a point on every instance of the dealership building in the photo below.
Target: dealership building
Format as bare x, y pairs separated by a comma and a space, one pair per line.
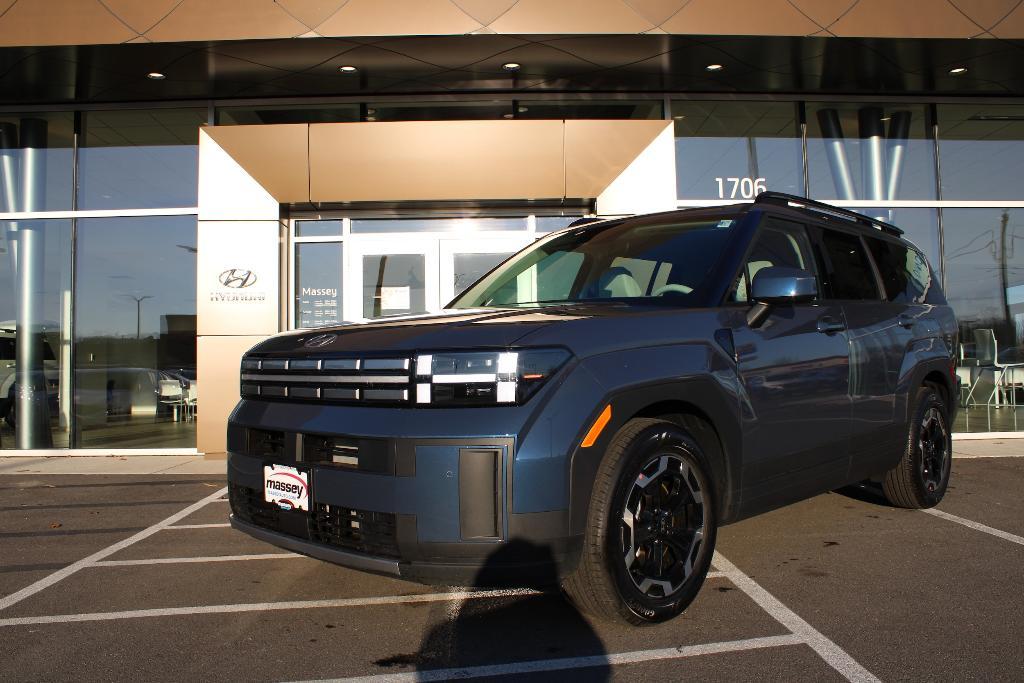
180, 179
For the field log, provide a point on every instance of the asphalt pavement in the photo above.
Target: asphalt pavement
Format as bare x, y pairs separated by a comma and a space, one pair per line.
137, 576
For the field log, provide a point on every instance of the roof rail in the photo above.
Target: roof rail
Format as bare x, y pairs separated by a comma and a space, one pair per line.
783, 199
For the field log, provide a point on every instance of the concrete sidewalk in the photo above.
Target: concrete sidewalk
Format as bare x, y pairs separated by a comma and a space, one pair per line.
113, 464
197, 464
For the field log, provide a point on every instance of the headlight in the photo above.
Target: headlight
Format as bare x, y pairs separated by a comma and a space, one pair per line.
484, 377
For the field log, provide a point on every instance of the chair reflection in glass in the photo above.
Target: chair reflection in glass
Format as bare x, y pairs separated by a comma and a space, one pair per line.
994, 377
171, 394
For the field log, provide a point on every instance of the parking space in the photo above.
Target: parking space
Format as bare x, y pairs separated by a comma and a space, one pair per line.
117, 576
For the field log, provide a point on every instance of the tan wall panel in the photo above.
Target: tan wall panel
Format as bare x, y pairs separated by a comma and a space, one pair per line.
767, 17
77, 22
59, 22
571, 16
398, 17
226, 20
596, 152
917, 19
436, 160
218, 372
276, 156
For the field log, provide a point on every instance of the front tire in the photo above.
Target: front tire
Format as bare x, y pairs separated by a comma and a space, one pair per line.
920, 478
651, 527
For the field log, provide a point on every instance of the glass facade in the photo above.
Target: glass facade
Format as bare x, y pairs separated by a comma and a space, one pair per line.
135, 332
732, 150
100, 320
98, 327
868, 151
139, 159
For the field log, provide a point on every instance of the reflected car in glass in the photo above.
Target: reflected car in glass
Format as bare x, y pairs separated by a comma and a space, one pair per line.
592, 410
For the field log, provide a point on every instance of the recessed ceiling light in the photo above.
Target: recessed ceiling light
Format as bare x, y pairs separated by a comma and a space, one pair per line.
371, 118
679, 117
511, 66
347, 69
523, 110
371, 112
508, 116
155, 76
714, 67
958, 70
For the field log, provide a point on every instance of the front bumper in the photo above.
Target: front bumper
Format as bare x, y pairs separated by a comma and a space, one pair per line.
436, 511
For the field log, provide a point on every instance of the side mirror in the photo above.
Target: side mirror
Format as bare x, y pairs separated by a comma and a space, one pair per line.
777, 285
782, 285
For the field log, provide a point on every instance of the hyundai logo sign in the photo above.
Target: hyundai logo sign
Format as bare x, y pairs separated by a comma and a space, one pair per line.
236, 278
320, 340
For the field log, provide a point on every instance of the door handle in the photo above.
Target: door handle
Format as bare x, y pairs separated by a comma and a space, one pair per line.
906, 321
830, 326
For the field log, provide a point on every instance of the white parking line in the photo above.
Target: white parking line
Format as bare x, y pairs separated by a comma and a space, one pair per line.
221, 525
186, 560
60, 575
977, 526
564, 663
833, 655
266, 606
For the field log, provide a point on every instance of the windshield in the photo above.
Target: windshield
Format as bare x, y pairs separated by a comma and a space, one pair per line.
623, 260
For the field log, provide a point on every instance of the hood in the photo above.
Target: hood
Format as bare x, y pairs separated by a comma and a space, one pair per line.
452, 330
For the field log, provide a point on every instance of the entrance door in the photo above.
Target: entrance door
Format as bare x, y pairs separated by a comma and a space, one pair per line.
392, 277
463, 261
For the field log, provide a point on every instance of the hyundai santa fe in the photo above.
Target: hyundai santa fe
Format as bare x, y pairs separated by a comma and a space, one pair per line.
598, 405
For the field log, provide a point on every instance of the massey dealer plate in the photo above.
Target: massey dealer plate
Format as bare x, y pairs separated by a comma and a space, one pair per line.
286, 486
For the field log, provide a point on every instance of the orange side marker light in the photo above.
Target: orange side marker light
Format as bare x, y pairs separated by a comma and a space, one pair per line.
599, 424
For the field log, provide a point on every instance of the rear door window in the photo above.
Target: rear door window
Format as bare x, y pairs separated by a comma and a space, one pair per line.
848, 273
905, 273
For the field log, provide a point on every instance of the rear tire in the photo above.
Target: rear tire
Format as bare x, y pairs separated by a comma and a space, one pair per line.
920, 478
651, 527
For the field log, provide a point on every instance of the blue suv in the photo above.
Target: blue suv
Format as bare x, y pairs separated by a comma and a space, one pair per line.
594, 408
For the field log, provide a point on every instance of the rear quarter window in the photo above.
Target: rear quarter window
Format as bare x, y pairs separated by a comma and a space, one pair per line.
905, 273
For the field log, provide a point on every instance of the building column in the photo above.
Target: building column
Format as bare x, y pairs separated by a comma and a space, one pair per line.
238, 281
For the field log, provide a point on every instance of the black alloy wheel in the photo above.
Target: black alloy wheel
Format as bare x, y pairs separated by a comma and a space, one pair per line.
933, 444
662, 526
920, 478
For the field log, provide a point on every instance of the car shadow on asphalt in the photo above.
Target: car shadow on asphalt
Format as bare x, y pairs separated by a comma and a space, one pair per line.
519, 628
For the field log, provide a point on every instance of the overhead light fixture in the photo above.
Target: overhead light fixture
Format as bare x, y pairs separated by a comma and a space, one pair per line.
155, 76
714, 67
523, 110
347, 69
679, 117
371, 118
508, 116
511, 66
958, 70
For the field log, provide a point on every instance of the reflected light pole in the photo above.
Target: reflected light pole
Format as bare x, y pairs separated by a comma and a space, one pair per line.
138, 312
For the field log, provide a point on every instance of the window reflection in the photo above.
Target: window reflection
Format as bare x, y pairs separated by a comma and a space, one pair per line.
36, 161
985, 285
981, 147
393, 284
139, 159
868, 151
724, 148
35, 350
135, 361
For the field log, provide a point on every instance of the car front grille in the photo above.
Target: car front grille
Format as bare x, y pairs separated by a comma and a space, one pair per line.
331, 380
372, 533
359, 531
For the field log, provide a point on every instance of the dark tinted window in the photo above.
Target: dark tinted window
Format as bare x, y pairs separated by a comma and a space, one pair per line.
905, 274
849, 275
